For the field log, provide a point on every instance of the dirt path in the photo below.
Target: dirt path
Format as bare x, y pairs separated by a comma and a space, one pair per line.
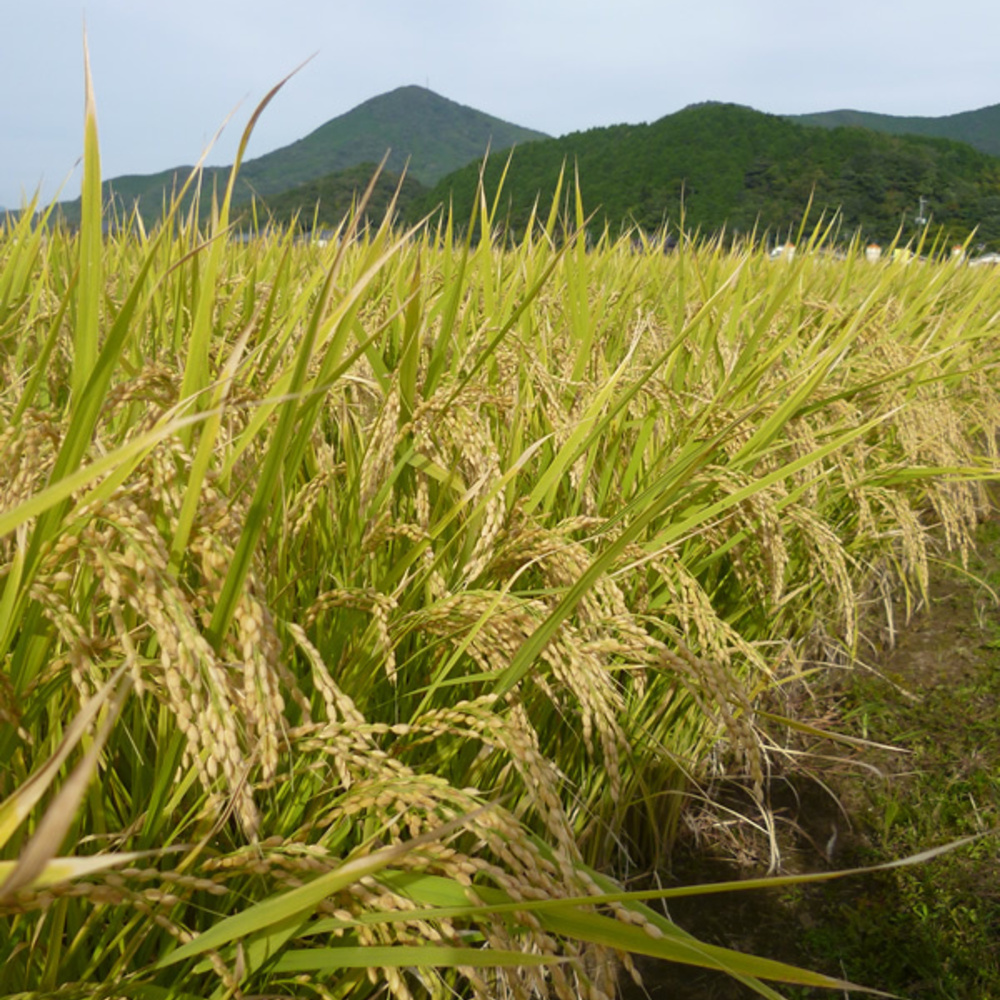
931, 931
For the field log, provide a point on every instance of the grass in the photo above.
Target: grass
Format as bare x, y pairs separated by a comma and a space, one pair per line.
923, 771
370, 610
937, 928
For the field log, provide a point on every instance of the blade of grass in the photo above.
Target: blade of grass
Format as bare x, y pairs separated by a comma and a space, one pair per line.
302, 901
52, 829
347, 956
16, 807
91, 286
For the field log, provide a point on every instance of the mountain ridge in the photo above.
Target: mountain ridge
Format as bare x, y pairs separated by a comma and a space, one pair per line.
979, 128
404, 113
425, 134
726, 167
432, 137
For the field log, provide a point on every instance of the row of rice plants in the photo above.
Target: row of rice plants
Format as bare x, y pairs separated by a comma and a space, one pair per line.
397, 593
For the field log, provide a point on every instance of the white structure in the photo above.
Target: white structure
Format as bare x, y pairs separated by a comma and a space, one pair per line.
987, 258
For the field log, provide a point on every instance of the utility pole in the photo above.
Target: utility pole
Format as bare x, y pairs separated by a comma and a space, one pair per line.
921, 219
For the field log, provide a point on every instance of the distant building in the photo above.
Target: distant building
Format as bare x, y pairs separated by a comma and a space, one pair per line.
873, 252
986, 258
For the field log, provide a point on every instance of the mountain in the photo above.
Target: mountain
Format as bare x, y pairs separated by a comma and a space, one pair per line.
430, 133
980, 129
738, 168
435, 135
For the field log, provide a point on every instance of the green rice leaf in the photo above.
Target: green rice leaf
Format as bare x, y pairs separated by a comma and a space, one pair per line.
299, 903
90, 287
330, 960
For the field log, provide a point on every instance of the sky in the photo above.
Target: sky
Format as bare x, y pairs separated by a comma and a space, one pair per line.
167, 75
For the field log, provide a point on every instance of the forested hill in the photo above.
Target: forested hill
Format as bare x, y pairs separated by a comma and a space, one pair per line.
739, 168
428, 135
980, 128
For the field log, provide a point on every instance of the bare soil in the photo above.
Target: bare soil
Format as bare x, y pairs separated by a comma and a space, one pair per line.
931, 931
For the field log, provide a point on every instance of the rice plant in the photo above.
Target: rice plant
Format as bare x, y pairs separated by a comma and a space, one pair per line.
368, 610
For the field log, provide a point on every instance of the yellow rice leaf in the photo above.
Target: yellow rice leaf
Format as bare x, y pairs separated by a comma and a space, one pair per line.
17, 806
51, 831
66, 869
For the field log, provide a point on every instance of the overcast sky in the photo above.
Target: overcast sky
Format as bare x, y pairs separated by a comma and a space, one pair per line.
168, 72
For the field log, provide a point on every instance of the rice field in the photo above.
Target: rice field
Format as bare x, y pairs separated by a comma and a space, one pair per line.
370, 612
